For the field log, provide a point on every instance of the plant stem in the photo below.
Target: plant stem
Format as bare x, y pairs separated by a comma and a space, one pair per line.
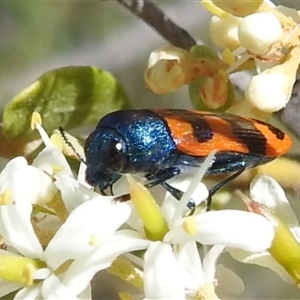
155, 17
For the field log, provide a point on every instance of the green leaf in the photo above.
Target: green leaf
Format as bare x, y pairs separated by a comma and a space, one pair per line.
68, 97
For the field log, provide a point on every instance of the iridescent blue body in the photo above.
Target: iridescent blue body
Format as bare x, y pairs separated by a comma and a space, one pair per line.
161, 143
143, 140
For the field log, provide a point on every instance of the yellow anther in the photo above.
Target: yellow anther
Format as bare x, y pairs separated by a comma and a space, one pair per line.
57, 141
6, 197
35, 119
228, 57
190, 226
56, 169
93, 240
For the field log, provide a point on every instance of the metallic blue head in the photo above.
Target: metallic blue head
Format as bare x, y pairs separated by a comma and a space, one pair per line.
105, 152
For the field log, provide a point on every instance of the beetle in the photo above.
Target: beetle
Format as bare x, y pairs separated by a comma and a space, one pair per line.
162, 143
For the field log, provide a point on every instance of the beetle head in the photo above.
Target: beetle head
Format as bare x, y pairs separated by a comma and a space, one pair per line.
105, 151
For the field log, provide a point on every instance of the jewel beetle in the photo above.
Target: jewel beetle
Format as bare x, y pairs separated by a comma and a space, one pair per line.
162, 143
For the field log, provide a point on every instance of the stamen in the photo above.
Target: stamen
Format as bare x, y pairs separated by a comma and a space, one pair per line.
36, 123
190, 225
35, 119
6, 197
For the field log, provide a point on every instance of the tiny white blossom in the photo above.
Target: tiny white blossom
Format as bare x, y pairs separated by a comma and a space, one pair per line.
224, 31
52, 161
269, 85
257, 32
269, 36
267, 191
26, 183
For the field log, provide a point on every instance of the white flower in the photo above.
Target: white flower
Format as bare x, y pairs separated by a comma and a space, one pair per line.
267, 191
26, 183
269, 91
89, 230
269, 36
224, 31
53, 162
232, 228
173, 268
88, 241
217, 228
257, 32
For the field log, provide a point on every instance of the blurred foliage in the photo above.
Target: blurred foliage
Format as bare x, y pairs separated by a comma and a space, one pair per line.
33, 31
69, 96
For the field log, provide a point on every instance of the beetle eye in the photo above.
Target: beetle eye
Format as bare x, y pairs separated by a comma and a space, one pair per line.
116, 158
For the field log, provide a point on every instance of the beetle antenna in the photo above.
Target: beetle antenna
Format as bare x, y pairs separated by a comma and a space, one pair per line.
68, 143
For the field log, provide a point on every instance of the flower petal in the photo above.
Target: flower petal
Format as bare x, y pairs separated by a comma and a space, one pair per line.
17, 230
263, 259
87, 226
210, 261
189, 261
83, 269
53, 289
258, 31
224, 31
266, 190
8, 287
73, 193
26, 183
233, 228
162, 276
30, 293
194, 188
51, 158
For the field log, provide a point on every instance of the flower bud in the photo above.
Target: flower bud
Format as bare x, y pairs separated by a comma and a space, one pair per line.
170, 67
257, 32
268, 91
224, 31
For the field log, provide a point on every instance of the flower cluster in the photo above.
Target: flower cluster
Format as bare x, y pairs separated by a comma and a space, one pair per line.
253, 35
57, 233
53, 228
267, 36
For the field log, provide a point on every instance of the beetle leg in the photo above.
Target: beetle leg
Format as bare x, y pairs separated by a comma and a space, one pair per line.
161, 176
157, 178
177, 194
111, 189
217, 187
102, 192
